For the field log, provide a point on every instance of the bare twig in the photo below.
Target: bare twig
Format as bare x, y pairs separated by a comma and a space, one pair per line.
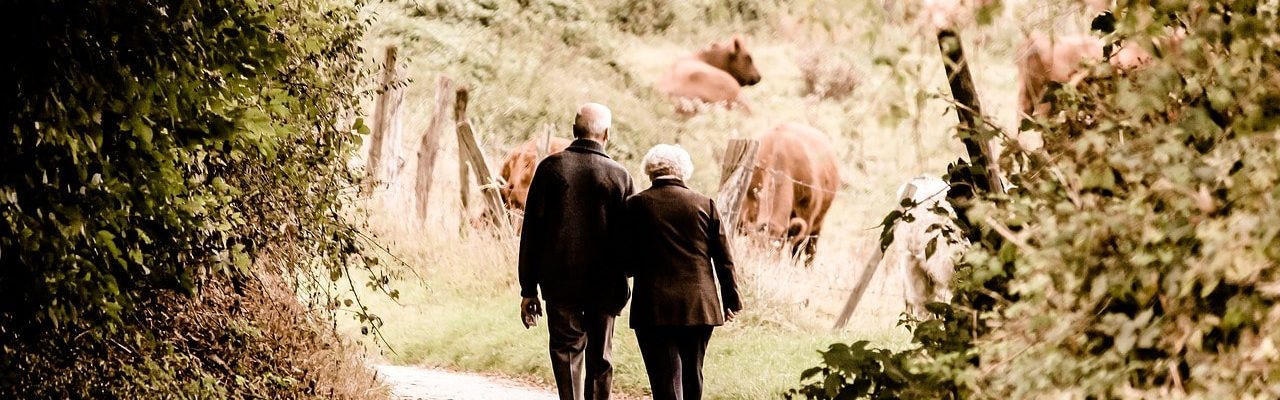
1007, 234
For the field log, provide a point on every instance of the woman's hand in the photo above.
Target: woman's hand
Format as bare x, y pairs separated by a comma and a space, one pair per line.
729, 315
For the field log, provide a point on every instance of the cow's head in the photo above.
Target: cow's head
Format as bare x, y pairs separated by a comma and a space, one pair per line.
514, 178
515, 192
734, 58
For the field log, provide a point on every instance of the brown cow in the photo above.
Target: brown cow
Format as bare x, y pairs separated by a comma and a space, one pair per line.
714, 75
794, 181
1065, 60
518, 167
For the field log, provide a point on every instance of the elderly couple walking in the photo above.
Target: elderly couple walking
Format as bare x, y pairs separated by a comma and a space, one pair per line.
585, 233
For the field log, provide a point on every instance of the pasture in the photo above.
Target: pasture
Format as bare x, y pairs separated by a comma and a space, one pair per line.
528, 67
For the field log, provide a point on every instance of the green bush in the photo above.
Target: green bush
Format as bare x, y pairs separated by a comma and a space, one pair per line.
151, 146
1136, 258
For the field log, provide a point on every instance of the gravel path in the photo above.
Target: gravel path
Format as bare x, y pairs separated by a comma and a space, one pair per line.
435, 384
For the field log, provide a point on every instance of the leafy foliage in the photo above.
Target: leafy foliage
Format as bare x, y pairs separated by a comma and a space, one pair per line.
153, 146
1136, 257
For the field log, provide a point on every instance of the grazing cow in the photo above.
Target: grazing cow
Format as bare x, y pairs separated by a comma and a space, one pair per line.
926, 277
1065, 60
518, 167
792, 186
714, 75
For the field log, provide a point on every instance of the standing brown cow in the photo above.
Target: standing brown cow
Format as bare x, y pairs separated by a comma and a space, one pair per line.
792, 187
517, 171
714, 75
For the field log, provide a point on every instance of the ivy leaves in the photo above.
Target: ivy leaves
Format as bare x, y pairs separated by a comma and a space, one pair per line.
1137, 256
153, 145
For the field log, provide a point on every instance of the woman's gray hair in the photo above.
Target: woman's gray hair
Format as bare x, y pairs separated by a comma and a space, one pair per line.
667, 159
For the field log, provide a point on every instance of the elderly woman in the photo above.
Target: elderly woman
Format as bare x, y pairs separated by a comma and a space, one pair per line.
684, 284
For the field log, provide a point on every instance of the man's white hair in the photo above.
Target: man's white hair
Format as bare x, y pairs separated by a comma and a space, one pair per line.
667, 160
594, 117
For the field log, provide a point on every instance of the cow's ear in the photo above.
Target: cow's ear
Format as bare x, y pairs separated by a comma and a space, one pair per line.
737, 44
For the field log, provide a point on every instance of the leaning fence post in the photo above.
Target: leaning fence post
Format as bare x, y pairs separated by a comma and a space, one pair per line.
431, 145
735, 179
385, 117
474, 155
969, 111
464, 180
855, 297
976, 144
464, 167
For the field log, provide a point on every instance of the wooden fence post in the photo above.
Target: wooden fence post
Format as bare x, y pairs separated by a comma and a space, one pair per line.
469, 147
735, 179
976, 144
385, 114
464, 180
864, 280
430, 145
969, 111
464, 167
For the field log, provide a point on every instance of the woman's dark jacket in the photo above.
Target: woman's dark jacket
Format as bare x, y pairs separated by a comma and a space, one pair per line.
678, 253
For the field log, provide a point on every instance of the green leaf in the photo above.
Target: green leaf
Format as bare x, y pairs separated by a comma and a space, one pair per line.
142, 131
360, 127
832, 384
106, 238
809, 373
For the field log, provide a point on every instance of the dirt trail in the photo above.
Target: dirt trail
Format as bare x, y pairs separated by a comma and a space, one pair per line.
418, 383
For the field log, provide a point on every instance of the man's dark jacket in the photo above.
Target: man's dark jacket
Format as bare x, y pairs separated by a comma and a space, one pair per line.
572, 226
680, 257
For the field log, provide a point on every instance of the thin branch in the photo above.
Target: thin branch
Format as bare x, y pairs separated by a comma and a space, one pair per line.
1008, 234
377, 331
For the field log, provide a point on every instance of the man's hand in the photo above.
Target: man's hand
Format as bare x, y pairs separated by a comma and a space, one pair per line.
729, 315
530, 310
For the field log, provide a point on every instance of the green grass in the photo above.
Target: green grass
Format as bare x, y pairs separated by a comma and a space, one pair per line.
461, 312
484, 334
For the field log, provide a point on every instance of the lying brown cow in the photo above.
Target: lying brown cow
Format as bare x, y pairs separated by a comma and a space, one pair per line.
713, 75
1065, 60
517, 170
794, 181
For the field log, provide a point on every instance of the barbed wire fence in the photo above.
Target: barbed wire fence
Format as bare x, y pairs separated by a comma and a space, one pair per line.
737, 170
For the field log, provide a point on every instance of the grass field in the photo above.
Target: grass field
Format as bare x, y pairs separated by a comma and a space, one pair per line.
531, 66
461, 312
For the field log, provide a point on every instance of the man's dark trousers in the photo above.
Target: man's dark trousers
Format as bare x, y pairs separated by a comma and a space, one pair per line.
577, 334
673, 358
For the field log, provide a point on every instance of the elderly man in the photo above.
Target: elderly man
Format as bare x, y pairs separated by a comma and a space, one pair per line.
568, 246
685, 286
